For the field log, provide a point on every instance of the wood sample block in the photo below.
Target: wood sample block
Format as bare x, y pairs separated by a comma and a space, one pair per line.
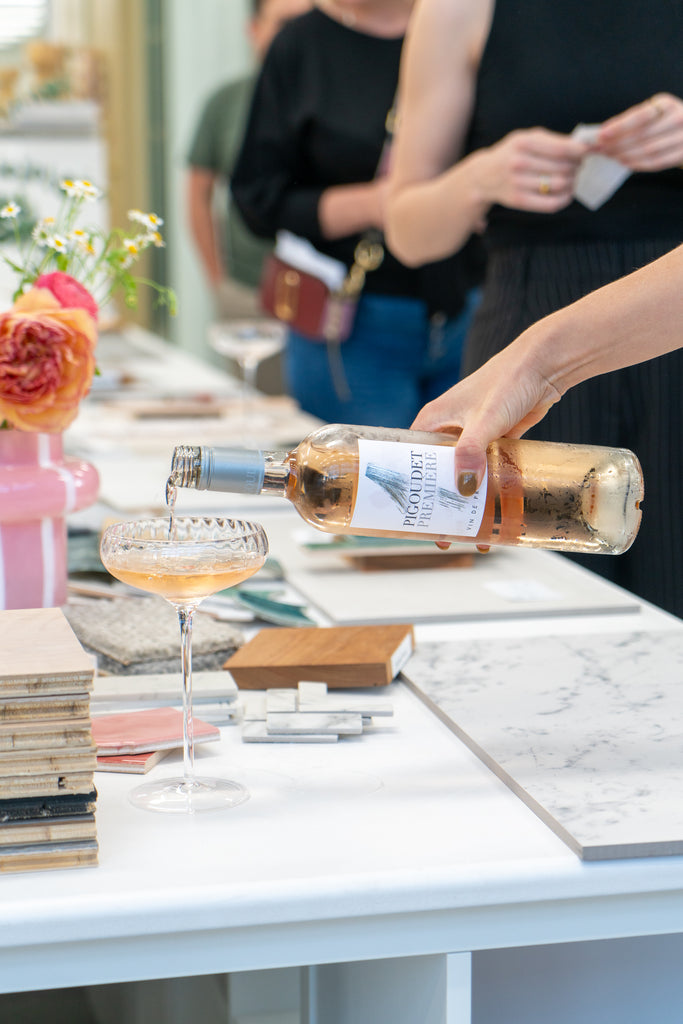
39, 830
41, 856
341, 656
381, 560
41, 654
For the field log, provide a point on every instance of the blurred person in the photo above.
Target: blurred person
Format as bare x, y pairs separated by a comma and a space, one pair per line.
491, 93
230, 254
313, 143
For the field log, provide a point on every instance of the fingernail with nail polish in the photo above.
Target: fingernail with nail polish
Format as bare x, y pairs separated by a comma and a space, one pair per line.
467, 484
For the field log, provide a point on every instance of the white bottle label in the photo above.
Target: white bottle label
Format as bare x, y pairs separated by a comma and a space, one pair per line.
411, 488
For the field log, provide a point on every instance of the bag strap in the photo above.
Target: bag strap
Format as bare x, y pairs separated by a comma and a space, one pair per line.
369, 251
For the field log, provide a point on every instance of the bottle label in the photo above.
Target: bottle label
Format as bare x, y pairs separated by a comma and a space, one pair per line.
411, 488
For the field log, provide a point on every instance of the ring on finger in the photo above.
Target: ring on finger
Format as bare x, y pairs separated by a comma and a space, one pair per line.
544, 185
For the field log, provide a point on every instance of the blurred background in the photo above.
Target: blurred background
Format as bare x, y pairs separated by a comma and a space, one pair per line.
111, 90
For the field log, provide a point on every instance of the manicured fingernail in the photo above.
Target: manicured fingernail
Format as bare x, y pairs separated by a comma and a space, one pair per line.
467, 484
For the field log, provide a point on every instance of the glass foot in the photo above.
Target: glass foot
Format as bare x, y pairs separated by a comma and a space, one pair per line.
180, 796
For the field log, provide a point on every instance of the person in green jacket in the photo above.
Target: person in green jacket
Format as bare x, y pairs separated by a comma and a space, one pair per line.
230, 254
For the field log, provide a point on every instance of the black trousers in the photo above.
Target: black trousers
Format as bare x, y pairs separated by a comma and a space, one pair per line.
637, 408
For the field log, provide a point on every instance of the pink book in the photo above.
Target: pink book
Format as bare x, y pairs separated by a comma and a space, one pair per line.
138, 732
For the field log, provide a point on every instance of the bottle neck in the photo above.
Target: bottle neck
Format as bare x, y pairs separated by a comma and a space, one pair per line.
275, 474
229, 469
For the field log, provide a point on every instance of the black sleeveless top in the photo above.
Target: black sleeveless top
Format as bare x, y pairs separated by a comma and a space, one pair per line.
557, 63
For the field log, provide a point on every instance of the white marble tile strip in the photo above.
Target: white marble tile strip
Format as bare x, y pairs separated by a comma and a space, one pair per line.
281, 699
254, 707
255, 732
342, 704
311, 691
294, 722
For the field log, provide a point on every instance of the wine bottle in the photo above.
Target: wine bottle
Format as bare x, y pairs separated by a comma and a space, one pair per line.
396, 483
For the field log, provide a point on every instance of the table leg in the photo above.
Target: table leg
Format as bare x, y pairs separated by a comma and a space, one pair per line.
428, 989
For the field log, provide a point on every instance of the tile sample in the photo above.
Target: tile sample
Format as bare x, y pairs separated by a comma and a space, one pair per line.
256, 732
588, 731
284, 723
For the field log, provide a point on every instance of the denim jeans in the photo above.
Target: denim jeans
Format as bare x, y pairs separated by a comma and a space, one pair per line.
396, 359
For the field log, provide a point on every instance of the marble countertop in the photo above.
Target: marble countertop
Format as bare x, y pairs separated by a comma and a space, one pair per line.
587, 730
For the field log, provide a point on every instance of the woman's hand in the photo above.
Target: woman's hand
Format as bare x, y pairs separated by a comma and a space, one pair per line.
530, 169
647, 137
504, 398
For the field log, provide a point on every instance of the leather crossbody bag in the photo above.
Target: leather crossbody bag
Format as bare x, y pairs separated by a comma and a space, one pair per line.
307, 302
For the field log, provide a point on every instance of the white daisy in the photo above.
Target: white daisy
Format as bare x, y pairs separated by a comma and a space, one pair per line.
43, 230
57, 242
87, 190
10, 210
151, 221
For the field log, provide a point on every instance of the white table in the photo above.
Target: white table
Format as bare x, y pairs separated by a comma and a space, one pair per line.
409, 884
400, 886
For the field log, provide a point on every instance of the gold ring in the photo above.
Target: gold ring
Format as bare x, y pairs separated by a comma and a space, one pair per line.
657, 107
544, 185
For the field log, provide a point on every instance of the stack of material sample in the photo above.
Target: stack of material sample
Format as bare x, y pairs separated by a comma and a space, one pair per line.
308, 714
47, 755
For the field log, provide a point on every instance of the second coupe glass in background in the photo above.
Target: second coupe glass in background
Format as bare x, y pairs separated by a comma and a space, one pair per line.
247, 343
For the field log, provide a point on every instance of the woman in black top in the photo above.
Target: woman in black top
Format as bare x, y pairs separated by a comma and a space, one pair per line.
308, 164
480, 77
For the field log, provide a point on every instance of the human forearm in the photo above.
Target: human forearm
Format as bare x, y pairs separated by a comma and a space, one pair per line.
634, 319
199, 199
428, 219
431, 219
349, 209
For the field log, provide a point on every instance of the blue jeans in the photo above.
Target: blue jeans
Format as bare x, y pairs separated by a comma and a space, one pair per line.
395, 361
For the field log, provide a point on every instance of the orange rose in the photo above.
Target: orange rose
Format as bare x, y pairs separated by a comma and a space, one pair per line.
47, 362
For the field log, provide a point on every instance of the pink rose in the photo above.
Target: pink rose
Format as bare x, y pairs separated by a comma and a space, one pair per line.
68, 292
47, 361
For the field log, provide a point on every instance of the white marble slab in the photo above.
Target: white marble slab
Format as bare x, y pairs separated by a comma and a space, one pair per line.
587, 730
506, 583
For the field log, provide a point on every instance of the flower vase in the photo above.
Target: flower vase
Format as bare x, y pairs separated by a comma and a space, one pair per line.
39, 486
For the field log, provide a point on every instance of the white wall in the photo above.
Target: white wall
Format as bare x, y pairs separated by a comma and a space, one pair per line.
205, 45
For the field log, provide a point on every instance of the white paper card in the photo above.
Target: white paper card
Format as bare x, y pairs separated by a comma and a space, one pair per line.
302, 255
599, 176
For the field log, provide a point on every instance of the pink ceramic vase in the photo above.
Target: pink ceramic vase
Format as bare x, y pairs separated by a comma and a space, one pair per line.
39, 486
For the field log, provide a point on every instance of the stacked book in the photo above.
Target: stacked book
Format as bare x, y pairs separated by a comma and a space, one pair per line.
47, 755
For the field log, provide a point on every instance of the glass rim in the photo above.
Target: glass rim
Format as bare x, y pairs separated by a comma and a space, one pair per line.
125, 529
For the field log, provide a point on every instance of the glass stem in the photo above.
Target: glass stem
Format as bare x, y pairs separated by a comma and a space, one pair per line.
185, 616
249, 374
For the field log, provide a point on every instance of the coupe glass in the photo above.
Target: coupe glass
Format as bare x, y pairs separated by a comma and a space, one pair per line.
248, 343
185, 559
